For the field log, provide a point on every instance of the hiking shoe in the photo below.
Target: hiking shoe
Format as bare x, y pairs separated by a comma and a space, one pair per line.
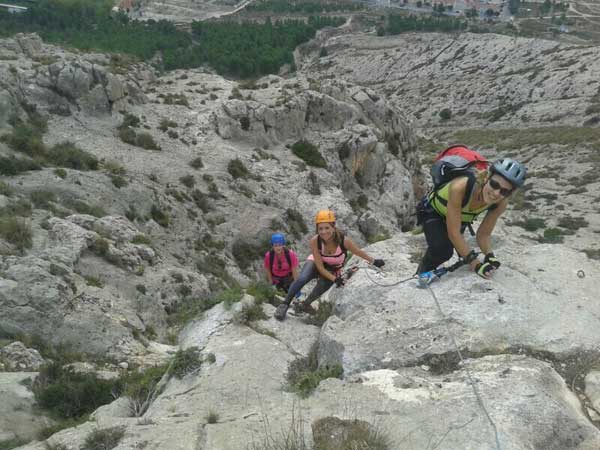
281, 311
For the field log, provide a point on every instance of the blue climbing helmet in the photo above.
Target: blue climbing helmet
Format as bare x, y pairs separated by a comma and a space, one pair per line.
277, 239
512, 170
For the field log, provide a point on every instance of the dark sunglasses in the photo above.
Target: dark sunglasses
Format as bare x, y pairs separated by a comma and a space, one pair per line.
504, 192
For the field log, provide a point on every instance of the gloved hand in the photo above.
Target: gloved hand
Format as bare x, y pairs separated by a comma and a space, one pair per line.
491, 258
378, 263
484, 270
339, 281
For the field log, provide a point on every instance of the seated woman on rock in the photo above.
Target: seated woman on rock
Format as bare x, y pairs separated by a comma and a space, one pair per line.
447, 212
281, 263
329, 249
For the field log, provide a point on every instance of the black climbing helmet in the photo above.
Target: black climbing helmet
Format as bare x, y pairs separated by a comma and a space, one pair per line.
510, 169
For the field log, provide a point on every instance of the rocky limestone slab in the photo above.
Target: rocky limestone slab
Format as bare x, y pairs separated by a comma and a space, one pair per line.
527, 401
18, 418
592, 388
528, 306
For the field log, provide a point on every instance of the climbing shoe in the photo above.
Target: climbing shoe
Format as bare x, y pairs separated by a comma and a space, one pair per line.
426, 278
281, 311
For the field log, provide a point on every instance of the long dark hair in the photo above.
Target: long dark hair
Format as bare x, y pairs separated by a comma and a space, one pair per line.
338, 236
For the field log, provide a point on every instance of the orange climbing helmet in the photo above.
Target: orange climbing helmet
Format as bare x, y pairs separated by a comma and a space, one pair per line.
325, 216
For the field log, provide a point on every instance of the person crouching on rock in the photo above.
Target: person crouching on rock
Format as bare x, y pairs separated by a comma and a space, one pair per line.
281, 263
447, 212
329, 252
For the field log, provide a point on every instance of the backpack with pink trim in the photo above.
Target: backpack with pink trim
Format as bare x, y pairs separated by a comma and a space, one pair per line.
457, 161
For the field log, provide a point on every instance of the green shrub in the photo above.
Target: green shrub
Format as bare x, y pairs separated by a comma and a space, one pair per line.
12, 443
295, 223
188, 181
140, 386
176, 99
13, 166
304, 374
145, 140
67, 154
129, 120
159, 216
42, 199
445, 114
237, 169
592, 253
26, 138
245, 252
173, 134
201, 200
211, 264
229, 296
165, 124
114, 168
60, 172
100, 247
5, 189
212, 417
551, 236
70, 394
572, 223
332, 433
17, 232
207, 242
20, 207
185, 362
324, 312
105, 439
262, 292
82, 207
197, 163
141, 239
141, 288
530, 224
309, 153
118, 181
93, 281
250, 313
127, 135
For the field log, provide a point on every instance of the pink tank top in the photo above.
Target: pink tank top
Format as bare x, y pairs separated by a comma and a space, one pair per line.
336, 260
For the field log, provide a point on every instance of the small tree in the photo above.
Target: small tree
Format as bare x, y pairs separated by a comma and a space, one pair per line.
445, 114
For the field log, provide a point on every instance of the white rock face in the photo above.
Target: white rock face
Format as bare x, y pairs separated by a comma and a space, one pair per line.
523, 309
18, 417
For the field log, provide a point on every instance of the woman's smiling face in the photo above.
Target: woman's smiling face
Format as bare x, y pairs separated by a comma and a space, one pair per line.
496, 189
325, 230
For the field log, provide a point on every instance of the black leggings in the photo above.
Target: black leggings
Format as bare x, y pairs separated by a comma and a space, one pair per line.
439, 246
309, 272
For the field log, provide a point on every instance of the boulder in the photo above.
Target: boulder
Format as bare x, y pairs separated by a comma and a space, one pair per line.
17, 357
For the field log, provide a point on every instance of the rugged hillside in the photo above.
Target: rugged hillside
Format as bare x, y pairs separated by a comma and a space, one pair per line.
117, 244
533, 99
176, 224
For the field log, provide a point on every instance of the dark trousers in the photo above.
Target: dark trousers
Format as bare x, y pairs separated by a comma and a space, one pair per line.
309, 272
439, 246
282, 283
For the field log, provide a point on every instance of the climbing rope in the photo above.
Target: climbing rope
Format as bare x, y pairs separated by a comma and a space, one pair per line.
452, 337
467, 370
